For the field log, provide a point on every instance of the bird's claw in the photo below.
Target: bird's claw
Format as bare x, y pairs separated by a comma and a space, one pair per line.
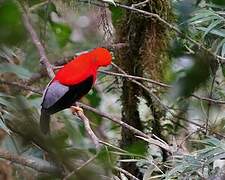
76, 110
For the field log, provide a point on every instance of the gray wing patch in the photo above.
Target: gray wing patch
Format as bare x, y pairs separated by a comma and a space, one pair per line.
53, 93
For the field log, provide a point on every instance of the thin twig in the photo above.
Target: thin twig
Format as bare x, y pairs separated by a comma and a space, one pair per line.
87, 162
36, 6
135, 77
144, 87
87, 126
142, 4
117, 121
165, 107
140, 134
80, 167
112, 146
188, 136
214, 101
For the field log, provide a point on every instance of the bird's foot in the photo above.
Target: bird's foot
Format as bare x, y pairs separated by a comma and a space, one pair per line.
76, 109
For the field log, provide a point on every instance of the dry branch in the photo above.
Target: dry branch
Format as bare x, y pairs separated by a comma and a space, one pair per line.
140, 134
87, 126
21, 86
32, 162
144, 87
135, 78
43, 58
164, 85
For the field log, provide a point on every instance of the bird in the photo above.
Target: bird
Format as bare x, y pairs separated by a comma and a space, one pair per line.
71, 83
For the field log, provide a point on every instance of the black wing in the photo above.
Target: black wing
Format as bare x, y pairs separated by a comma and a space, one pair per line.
58, 97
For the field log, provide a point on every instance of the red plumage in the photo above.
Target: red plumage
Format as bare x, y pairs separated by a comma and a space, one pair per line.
82, 64
72, 82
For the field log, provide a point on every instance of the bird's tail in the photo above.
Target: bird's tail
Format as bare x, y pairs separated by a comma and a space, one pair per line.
44, 121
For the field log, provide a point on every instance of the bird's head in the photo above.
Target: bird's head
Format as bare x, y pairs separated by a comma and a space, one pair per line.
102, 56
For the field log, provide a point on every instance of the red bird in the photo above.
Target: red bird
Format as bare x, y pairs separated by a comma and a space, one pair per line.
71, 83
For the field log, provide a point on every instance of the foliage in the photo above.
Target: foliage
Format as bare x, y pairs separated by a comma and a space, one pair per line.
199, 162
12, 30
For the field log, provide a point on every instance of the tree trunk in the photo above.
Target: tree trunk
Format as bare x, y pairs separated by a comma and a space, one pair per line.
147, 40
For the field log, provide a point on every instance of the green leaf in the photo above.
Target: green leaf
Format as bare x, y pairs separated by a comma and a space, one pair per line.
223, 50
212, 141
16, 69
212, 26
218, 2
4, 95
105, 157
3, 126
12, 30
94, 98
62, 33
223, 69
218, 32
5, 102
117, 14
203, 15
218, 47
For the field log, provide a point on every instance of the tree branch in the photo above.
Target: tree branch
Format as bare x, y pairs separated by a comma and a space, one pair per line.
144, 87
28, 88
32, 162
43, 58
136, 78
127, 126
87, 126
164, 85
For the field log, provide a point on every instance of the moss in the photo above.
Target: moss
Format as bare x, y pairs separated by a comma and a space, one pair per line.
145, 55
154, 48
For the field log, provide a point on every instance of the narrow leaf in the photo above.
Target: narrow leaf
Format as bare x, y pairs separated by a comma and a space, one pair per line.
212, 26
